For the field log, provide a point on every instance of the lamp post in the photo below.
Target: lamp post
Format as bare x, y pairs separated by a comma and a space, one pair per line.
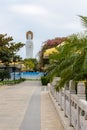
20, 65
14, 60
20, 69
17, 58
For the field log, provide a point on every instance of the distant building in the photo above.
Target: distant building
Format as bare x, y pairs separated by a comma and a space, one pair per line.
29, 44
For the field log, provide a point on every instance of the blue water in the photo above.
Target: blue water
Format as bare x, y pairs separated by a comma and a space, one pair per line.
27, 75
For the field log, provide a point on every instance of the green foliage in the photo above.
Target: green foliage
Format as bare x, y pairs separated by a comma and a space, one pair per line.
12, 82
47, 45
8, 48
19, 81
71, 61
84, 20
30, 64
4, 74
45, 80
17, 58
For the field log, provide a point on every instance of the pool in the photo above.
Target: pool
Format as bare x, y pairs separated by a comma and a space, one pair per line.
27, 75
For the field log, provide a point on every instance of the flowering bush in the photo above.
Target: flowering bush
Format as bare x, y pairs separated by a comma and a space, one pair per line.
53, 43
49, 44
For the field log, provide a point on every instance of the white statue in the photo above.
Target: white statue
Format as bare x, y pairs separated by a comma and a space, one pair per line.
29, 44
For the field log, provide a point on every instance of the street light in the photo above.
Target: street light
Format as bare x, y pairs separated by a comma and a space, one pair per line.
20, 68
15, 59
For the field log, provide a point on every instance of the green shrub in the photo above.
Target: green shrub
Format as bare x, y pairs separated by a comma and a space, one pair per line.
19, 80
45, 80
4, 74
12, 82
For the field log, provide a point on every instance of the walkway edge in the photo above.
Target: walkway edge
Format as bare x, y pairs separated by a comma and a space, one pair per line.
64, 120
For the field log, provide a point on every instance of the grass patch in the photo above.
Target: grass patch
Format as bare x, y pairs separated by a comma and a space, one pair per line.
12, 82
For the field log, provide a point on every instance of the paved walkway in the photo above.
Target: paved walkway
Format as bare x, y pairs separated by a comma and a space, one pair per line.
26, 107
32, 118
49, 116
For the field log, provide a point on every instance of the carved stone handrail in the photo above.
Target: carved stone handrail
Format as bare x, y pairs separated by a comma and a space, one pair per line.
73, 105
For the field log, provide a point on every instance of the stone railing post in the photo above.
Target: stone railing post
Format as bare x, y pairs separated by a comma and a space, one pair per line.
61, 99
81, 95
57, 79
72, 87
49, 86
81, 90
72, 91
56, 96
78, 118
66, 87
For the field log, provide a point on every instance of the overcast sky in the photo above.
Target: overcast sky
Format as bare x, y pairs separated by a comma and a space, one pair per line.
47, 19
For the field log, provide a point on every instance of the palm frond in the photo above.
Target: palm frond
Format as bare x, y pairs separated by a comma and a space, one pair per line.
84, 20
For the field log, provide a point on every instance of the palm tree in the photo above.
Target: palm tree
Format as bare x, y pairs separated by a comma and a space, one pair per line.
84, 20
70, 62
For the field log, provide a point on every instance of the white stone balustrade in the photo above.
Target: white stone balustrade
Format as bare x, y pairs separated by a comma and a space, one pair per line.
73, 105
81, 90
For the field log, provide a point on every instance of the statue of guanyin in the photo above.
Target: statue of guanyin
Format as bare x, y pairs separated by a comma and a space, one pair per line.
29, 44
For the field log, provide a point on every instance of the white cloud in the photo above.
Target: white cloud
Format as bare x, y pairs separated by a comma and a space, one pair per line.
29, 10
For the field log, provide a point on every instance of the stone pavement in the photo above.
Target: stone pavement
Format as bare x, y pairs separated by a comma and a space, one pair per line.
32, 117
15, 101
49, 116
13, 105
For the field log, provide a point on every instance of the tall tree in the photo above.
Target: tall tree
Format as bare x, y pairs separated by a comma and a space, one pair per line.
71, 61
8, 48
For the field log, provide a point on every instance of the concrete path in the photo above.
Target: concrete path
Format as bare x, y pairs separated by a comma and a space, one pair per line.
27, 106
49, 116
32, 118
